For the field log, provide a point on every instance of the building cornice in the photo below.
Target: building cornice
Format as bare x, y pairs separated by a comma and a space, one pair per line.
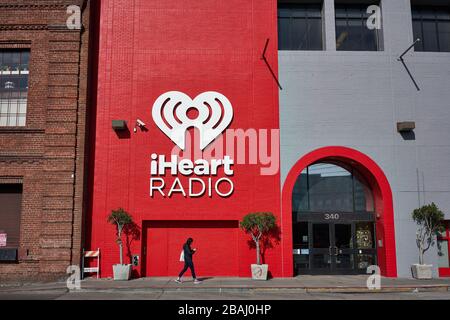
14, 130
28, 27
30, 159
40, 5
31, 6
23, 26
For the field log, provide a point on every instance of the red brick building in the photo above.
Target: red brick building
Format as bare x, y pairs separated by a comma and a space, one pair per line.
43, 99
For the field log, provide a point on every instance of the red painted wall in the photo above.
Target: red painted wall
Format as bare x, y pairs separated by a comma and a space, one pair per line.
149, 47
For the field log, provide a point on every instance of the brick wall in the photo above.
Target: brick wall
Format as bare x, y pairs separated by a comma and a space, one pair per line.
48, 154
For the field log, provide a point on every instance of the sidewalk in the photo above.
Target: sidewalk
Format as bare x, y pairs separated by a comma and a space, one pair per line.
307, 284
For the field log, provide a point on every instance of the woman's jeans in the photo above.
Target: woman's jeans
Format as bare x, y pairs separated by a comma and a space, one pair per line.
190, 265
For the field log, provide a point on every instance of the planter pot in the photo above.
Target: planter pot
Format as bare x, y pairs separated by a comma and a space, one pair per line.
259, 271
122, 271
422, 271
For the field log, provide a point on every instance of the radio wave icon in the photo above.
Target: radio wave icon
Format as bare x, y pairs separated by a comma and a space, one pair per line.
170, 113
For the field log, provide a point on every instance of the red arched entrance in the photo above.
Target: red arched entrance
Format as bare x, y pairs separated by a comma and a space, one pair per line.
382, 196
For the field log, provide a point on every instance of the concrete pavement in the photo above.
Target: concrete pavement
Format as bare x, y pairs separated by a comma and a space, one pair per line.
302, 287
64, 294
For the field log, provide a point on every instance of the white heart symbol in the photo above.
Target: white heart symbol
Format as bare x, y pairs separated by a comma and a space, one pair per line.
215, 113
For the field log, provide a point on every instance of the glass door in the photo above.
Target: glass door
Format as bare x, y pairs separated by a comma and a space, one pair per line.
365, 246
343, 255
344, 247
332, 248
320, 248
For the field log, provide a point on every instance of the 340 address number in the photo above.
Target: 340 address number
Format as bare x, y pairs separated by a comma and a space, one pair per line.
332, 216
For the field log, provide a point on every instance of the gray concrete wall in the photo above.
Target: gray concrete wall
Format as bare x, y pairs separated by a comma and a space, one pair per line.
355, 99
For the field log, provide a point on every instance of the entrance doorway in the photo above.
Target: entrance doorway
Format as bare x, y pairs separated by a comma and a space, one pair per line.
216, 243
333, 221
340, 247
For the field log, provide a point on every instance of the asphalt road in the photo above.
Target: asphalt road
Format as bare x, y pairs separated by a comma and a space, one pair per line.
172, 295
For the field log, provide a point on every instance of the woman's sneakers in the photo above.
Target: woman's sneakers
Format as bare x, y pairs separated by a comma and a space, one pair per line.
179, 280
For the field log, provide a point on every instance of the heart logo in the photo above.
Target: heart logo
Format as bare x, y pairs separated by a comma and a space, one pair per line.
170, 113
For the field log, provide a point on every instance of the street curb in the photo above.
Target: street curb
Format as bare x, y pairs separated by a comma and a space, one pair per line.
362, 290
24, 289
436, 288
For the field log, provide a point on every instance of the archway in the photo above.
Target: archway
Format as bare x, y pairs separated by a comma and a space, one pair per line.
382, 198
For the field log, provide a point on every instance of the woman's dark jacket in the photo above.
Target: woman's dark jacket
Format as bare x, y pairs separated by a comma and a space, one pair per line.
188, 252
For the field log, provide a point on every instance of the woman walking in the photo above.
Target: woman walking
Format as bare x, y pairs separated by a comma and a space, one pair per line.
188, 263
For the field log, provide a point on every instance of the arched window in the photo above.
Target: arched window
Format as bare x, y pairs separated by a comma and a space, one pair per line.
331, 187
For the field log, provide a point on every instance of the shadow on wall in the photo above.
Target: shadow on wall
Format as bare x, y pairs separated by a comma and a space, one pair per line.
132, 233
123, 134
268, 241
408, 135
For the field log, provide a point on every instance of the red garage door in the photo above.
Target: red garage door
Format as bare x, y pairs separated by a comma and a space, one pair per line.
216, 243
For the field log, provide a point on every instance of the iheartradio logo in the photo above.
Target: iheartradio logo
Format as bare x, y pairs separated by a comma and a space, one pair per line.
170, 113
226, 147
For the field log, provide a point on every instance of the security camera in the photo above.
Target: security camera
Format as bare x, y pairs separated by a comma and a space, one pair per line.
140, 123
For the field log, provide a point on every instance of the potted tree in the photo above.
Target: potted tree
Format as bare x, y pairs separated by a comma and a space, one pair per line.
258, 224
429, 221
120, 218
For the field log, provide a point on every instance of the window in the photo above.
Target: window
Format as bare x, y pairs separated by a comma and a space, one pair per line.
13, 87
352, 31
10, 204
432, 26
325, 187
300, 27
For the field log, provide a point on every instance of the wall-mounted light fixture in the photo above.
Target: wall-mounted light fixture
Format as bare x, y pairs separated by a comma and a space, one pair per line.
119, 125
406, 126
